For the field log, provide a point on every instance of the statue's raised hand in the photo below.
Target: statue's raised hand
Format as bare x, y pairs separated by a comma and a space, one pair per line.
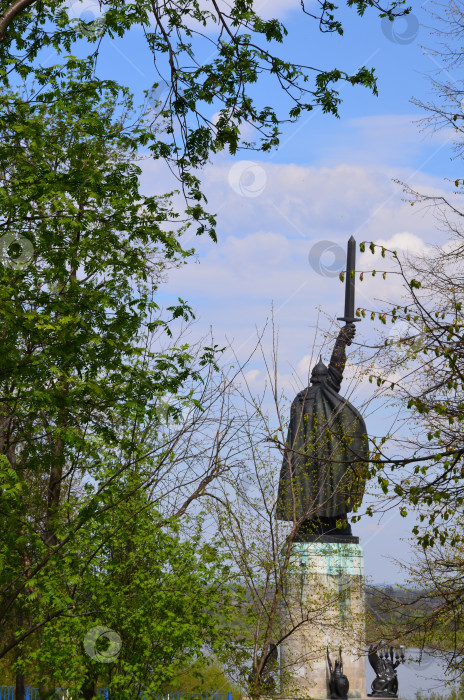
347, 333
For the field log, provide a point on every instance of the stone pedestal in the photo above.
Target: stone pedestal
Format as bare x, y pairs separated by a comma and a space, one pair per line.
323, 607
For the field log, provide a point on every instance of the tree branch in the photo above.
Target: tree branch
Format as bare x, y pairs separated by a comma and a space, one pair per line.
10, 13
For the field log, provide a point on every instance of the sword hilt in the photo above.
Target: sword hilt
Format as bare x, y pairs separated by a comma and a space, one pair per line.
348, 320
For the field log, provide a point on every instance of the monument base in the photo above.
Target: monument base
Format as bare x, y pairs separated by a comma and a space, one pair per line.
324, 602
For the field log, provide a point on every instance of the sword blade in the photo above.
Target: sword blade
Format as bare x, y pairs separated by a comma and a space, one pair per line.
349, 316
349, 282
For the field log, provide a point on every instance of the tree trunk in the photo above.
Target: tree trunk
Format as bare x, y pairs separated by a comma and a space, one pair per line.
89, 688
19, 687
54, 486
19, 680
45, 692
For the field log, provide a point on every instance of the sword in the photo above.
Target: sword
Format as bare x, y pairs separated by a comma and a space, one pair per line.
349, 316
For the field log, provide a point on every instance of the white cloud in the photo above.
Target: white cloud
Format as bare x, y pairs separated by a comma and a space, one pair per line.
405, 241
251, 376
266, 9
261, 258
264, 242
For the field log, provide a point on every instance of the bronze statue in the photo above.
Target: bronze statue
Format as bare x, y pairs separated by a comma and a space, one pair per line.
324, 468
338, 683
385, 661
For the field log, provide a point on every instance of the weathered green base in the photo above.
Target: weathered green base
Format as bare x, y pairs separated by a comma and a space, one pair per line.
324, 590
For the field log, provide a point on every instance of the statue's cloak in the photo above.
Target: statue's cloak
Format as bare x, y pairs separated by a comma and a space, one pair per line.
324, 468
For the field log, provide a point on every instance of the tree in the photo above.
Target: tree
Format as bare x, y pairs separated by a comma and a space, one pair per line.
157, 598
89, 365
420, 370
431, 615
419, 463
83, 372
197, 678
446, 111
197, 89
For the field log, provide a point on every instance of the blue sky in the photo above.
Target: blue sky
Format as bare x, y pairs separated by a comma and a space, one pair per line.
329, 179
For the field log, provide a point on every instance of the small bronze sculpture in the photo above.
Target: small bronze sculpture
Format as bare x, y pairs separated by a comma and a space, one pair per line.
324, 467
385, 661
338, 682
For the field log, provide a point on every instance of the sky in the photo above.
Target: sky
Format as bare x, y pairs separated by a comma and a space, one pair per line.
284, 217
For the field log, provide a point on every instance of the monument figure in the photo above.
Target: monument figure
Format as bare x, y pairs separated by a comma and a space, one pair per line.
385, 662
323, 471
322, 479
338, 682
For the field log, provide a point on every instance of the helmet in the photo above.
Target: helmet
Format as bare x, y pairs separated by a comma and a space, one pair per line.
319, 372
